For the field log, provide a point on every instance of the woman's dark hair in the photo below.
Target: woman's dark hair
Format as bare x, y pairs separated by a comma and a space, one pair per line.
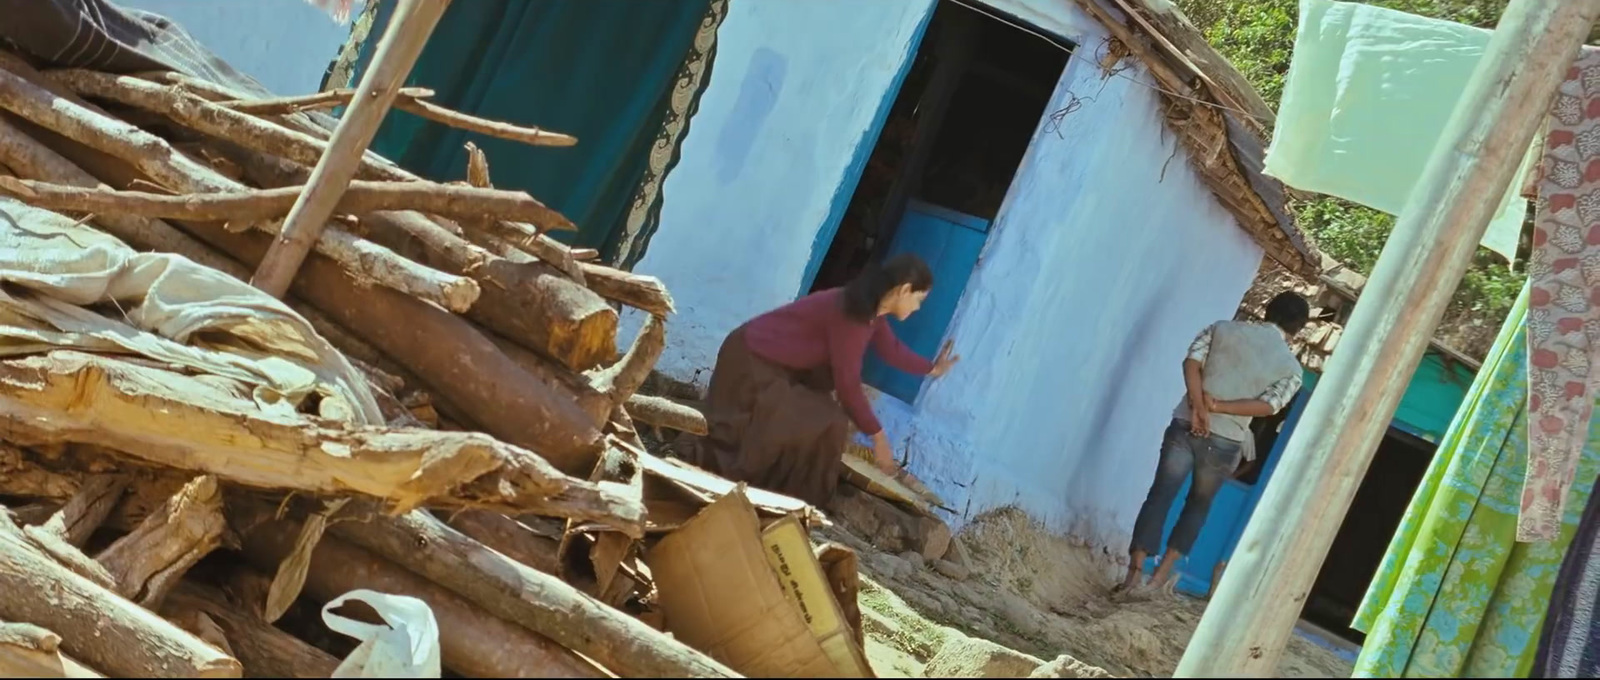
865, 292
1289, 311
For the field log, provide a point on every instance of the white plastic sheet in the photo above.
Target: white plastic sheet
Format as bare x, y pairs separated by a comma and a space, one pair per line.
1368, 95
408, 647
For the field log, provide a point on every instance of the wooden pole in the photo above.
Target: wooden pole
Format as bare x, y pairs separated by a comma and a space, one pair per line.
402, 42
1249, 620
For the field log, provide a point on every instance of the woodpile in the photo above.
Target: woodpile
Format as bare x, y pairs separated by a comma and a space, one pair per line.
159, 518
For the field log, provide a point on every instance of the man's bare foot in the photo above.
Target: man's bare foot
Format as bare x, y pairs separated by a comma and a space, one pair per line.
1127, 584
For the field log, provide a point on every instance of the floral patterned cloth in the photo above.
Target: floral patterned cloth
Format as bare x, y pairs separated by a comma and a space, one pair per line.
1564, 308
1457, 595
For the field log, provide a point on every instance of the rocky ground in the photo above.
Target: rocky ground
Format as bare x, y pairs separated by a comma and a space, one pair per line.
1028, 598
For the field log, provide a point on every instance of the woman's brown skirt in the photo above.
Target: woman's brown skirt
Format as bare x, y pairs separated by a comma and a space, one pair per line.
772, 427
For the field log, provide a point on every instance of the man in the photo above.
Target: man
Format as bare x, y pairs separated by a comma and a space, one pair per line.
1235, 371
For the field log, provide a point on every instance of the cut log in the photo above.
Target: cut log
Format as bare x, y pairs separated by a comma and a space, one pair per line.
539, 601
473, 642
28, 651
147, 563
103, 630
533, 136
635, 290
447, 354
265, 651
87, 509
20, 477
360, 198
29, 158
510, 537
533, 303
595, 403
326, 99
664, 412
620, 380
178, 421
69, 556
164, 164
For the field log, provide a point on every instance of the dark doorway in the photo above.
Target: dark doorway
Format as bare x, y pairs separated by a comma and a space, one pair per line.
1358, 549
954, 137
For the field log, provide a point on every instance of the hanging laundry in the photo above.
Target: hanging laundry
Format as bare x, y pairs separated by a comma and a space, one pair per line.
1368, 94
1564, 299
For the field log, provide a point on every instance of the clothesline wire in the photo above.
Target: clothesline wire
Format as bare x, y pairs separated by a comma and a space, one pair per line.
1074, 54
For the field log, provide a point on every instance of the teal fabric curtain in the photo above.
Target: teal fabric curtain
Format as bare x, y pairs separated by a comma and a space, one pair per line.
601, 70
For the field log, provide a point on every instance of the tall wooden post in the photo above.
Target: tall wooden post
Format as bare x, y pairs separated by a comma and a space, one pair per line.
1254, 611
402, 42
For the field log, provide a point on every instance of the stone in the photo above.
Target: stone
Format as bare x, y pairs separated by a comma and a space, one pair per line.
951, 570
968, 657
892, 566
935, 538
1067, 667
1018, 612
914, 559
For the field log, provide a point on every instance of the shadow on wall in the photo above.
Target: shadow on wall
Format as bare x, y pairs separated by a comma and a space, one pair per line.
758, 94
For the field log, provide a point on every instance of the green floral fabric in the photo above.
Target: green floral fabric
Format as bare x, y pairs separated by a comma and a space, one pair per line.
1456, 595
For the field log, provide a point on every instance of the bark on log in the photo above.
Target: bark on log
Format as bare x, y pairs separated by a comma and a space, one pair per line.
620, 380
635, 290
103, 630
326, 99
447, 354
147, 563
473, 642
246, 204
664, 412
532, 136
520, 593
596, 404
207, 117
265, 651
87, 509
511, 537
396, 51
29, 158
20, 477
533, 303
158, 159
28, 651
69, 396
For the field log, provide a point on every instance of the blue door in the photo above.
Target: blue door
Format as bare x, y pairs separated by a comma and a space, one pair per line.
950, 243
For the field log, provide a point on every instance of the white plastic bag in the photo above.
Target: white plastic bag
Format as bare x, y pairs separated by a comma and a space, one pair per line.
406, 648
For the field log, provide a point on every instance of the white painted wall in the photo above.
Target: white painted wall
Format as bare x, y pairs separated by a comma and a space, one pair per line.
1073, 329
795, 86
1108, 256
284, 44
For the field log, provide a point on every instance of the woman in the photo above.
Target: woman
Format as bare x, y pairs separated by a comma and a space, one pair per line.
773, 422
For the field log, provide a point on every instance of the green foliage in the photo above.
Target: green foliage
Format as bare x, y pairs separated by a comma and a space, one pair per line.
1257, 36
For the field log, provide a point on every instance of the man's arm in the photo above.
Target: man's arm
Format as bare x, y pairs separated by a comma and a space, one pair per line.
1271, 401
1194, 381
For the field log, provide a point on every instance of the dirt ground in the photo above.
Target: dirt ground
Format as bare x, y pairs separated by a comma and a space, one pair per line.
1035, 593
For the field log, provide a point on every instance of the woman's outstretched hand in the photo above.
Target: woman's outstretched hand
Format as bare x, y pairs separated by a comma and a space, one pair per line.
943, 362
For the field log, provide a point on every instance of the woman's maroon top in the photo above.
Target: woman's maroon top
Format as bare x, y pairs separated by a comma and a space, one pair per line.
813, 332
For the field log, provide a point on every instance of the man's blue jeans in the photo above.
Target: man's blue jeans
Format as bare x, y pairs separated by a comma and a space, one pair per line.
1212, 460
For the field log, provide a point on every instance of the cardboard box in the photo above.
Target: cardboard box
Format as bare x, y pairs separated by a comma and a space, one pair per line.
720, 592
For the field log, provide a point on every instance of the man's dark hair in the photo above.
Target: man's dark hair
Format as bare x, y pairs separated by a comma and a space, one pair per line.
1289, 311
864, 293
